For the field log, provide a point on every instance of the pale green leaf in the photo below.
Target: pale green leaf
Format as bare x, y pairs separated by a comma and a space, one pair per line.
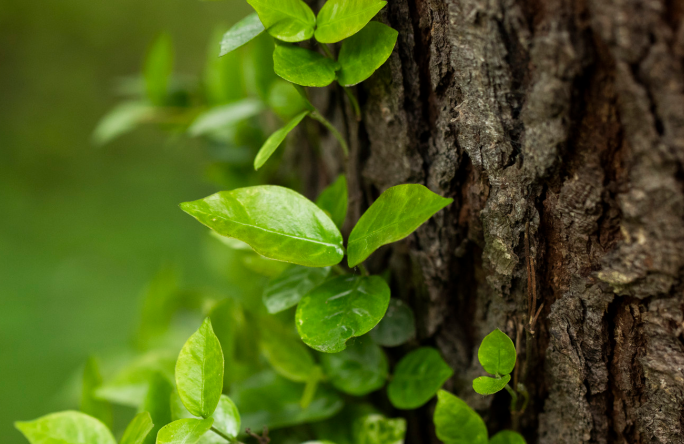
287, 355
497, 353
158, 404
417, 377
66, 428
362, 54
184, 431
90, 403
242, 32
339, 19
221, 117
138, 429
274, 141
359, 369
397, 327
226, 417
121, 120
396, 214
288, 288
303, 66
286, 20
377, 429
158, 69
507, 437
484, 385
456, 423
334, 200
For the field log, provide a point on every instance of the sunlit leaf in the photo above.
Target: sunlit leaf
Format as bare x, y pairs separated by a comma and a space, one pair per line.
184, 431
303, 66
334, 200
397, 327
484, 385
359, 369
417, 377
286, 20
339, 309
224, 116
121, 120
339, 19
365, 52
507, 437
377, 429
274, 141
287, 289
497, 353
138, 429
66, 428
158, 69
158, 404
276, 222
90, 403
396, 214
287, 355
456, 423
242, 32
226, 417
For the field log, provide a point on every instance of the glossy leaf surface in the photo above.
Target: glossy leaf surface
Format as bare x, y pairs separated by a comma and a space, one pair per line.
497, 353
90, 403
334, 200
287, 289
377, 429
66, 428
157, 70
138, 429
339, 19
339, 309
275, 139
275, 221
199, 372
396, 214
362, 54
507, 437
184, 431
241, 33
484, 385
224, 116
227, 417
286, 20
456, 423
303, 66
359, 369
417, 377
287, 355
397, 327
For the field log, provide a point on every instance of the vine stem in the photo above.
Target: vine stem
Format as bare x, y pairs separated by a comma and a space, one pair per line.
224, 436
316, 115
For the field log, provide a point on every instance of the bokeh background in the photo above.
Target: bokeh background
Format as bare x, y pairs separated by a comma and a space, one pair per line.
84, 228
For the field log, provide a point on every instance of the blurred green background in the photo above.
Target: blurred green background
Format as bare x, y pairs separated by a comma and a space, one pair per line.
82, 229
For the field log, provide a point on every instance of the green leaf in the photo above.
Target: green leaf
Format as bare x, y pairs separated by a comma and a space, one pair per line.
90, 403
223, 79
285, 101
397, 327
417, 377
224, 116
242, 32
507, 437
456, 423
395, 215
359, 369
276, 222
303, 66
158, 404
339, 19
199, 371
377, 429
286, 20
334, 200
362, 54
161, 300
158, 69
274, 141
122, 119
339, 309
226, 417
497, 353
138, 429
184, 431
66, 428
484, 385
288, 288
287, 355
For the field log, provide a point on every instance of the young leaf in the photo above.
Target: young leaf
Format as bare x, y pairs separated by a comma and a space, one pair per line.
241, 33
286, 290
65, 428
497, 353
138, 429
417, 377
484, 385
158, 68
334, 200
90, 403
376, 429
226, 417
286, 20
397, 327
360, 369
199, 372
507, 437
303, 66
122, 119
276, 222
184, 431
224, 116
362, 54
456, 423
274, 141
158, 404
339, 309
395, 215
339, 19
287, 355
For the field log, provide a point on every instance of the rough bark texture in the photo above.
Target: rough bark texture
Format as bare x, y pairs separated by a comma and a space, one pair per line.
562, 120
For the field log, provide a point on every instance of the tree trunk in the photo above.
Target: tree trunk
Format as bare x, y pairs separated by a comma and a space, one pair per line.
558, 128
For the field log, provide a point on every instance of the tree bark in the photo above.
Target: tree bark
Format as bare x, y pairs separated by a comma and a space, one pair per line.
558, 128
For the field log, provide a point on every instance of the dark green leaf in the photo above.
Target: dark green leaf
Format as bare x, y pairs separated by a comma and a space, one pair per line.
121, 120
287, 355
365, 52
485, 385
138, 429
276, 222
395, 215
417, 377
286, 290
241, 33
66, 428
359, 369
339, 19
303, 66
184, 431
286, 20
456, 423
507, 437
377, 429
497, 353
397, 327
334, 200
274, 141
224, 116
158, 404
158, 69
91, 404
339, 309
199, 372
